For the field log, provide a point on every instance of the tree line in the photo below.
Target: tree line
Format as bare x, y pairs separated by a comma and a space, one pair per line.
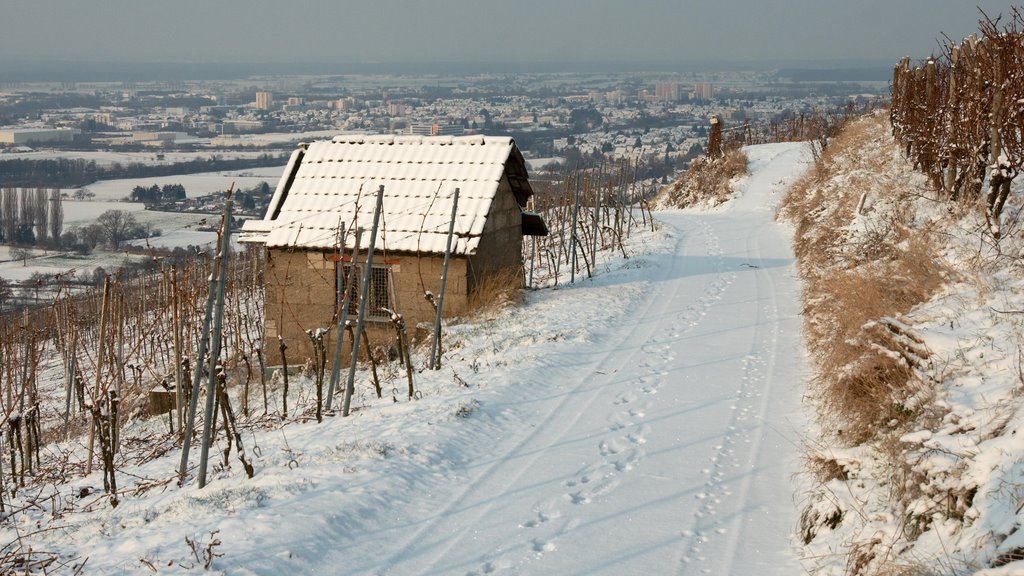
35, 217
31, 216
77, 172
156, 193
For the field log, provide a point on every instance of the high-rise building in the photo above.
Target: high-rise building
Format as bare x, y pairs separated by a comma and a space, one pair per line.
264, 100
342, 103
703, 91
436, 129
667, 91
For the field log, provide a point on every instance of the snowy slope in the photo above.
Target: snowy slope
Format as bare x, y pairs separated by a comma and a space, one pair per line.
643, 422
939, 490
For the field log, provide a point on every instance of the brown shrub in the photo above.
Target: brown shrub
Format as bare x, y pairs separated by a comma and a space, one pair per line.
707, 180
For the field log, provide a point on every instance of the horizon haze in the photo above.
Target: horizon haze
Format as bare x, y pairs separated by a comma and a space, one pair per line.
465, 31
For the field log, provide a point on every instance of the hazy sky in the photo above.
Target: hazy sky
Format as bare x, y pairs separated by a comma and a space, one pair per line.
480, 30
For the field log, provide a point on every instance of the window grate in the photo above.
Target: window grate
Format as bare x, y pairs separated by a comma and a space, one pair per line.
378, 295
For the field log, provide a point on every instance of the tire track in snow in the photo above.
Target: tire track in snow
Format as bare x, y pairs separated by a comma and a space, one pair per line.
720, 514
620, 450
725, 504
627, 432
608, 363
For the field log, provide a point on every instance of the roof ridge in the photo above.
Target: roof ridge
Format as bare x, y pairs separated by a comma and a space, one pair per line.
391, 139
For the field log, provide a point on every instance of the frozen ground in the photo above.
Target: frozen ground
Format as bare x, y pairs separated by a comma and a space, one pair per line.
644, 422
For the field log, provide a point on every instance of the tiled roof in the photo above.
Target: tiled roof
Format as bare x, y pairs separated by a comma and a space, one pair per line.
337, 181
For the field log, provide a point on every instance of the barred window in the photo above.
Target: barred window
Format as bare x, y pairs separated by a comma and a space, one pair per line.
379, 295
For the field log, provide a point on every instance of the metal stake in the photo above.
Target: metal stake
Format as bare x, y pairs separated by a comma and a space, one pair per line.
211, 380
435, 347
363, 297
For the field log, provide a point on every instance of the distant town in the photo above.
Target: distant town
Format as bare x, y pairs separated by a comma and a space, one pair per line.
558, 117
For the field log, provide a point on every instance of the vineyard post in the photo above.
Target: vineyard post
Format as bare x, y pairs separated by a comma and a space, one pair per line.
435, 346
628, 191
176, 320
363, 296
99, 369
72, 357
341, 299
211, 386
995, 180
119, 383
954, 132
533, 260
343, 321
597, 216
572, 236
197, 373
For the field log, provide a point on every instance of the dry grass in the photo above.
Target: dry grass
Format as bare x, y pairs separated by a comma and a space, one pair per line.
707, 181
825, 469
853, 279
869, 247
495, 291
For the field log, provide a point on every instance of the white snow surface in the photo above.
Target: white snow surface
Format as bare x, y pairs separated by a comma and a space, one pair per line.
200, 184
647, 421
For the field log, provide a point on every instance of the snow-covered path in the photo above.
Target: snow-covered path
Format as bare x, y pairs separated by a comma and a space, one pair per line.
666, 446
646, 421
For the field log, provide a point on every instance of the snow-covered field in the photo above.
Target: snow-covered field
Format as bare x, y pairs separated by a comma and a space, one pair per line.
177, 229
201, 184
79, 213
50, 263
109, 157
271, 138
647, 421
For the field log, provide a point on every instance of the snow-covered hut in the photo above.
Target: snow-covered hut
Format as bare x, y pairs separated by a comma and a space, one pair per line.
332, 185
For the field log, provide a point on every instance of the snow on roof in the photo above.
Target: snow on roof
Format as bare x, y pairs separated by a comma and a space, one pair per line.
334, 182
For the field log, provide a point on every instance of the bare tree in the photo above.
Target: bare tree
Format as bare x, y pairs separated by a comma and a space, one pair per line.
117, 226
91, 235
22, 254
